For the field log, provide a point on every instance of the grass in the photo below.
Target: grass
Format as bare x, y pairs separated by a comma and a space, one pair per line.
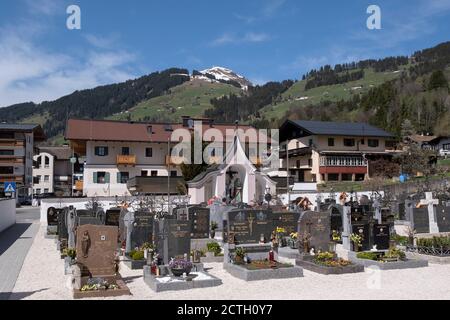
333, 92
189, 99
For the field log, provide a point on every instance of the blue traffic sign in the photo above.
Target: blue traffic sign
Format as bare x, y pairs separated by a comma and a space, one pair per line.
10, 187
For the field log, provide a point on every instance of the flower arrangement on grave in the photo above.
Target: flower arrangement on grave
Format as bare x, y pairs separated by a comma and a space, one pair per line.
304, 242
95, 284
357, 241
214, 247
394, 254
214, 226
180, 266
70, 252
239, 255
336, 236
330, 259
293, 240
280, 234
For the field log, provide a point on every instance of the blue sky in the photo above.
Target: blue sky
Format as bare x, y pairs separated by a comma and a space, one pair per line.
40, 59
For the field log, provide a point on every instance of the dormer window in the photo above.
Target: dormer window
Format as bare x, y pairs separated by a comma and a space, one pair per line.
149, 130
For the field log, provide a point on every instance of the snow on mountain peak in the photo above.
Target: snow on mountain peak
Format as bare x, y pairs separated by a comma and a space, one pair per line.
225, 74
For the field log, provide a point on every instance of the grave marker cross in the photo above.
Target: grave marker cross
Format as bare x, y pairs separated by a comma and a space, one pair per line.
430, 202
128, 220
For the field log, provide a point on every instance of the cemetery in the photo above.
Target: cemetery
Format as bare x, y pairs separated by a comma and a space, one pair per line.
206, 246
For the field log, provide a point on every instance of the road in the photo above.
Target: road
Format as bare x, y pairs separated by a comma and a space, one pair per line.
15, 243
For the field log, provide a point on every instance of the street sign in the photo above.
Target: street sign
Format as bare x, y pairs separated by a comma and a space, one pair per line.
10, 187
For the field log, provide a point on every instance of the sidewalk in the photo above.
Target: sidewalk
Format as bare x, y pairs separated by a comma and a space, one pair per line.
15, 243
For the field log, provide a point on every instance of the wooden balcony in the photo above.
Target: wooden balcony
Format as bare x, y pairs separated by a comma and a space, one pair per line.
10, 178
11, 159
129, 160
11, 143
79, 185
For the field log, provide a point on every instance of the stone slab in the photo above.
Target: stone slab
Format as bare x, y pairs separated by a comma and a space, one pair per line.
311, 266
288, 253
169, 283
264, 274
134, 264
122, 291
407, 264
429, 258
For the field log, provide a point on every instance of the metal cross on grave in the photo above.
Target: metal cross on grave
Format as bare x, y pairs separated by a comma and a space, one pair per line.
163, 235
430, 202
128, 220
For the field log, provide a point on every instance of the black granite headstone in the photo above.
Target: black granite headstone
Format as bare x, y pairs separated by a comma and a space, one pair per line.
52, 216
112, 217
172, 238
248, 225
200, 222
443, 218
363, 231
142, 229
381, 236
336, 219
421, 220
286, 220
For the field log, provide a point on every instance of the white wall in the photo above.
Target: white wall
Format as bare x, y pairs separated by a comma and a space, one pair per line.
7, 213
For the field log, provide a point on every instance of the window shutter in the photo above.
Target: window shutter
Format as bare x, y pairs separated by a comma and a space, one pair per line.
95, 177
118, 177
107, 177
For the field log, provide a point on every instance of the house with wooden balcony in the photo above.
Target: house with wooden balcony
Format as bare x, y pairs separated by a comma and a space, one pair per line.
124, 158
320, 151
17, 148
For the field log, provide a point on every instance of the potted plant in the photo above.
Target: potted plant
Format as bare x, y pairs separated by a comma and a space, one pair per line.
239, 255
214, 227
280, 232
180, 266
336, 236
293, 238
356, 239
214, 249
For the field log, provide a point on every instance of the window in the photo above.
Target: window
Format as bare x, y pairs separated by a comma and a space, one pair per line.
144, 173
101, 151
310, 163
149, 152
6, 135
125, 151
446, 146
46, 178
38, 191
349, 142
310, 142
47, 162
298, 164
373, 143
362, 142
154, 173
173, 173
101, 177
347, 177
46, 190
123, 177
333, 177
6, 152
331, 142
6, 170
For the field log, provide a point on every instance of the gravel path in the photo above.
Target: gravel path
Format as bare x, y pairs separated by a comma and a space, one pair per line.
42, 277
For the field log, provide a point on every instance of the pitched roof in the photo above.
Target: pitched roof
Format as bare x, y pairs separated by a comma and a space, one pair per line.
39, 134
108, 130
341, 128
61, 153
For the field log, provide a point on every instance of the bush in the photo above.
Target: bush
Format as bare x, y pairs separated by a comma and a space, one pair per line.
400, 240
137, 255
437, 242
214, 247
396, 253
367, 256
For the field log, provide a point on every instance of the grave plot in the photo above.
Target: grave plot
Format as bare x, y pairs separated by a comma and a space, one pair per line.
316, 250
171, 267
248, 254
386, 260
434, 250
95, 272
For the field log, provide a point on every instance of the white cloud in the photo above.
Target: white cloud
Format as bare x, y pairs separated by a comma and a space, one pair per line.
265, 10
31, 73
249, 37
45, 7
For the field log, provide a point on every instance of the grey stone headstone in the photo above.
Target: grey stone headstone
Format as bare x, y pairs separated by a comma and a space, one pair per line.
248, 225
142, 229
421, 222
172, 238
443, 218
317, 226
71, 227
112, 217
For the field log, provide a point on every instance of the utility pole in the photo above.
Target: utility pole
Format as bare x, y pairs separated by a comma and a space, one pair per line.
288, 174
168, 174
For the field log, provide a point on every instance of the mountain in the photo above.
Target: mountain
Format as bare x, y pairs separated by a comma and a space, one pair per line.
382, 92
221, 74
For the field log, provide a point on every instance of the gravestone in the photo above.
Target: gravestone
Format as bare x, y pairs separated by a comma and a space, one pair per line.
381, 236
96, 248
142, 231
287, 220
112, 217
128, 223
52, 216
71, 227
443, 218
248, 226
378, 215
420, 221
172, 238
431, 203
315, 226
122, 228
363, 230
199, 216
336, 212
63, 234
